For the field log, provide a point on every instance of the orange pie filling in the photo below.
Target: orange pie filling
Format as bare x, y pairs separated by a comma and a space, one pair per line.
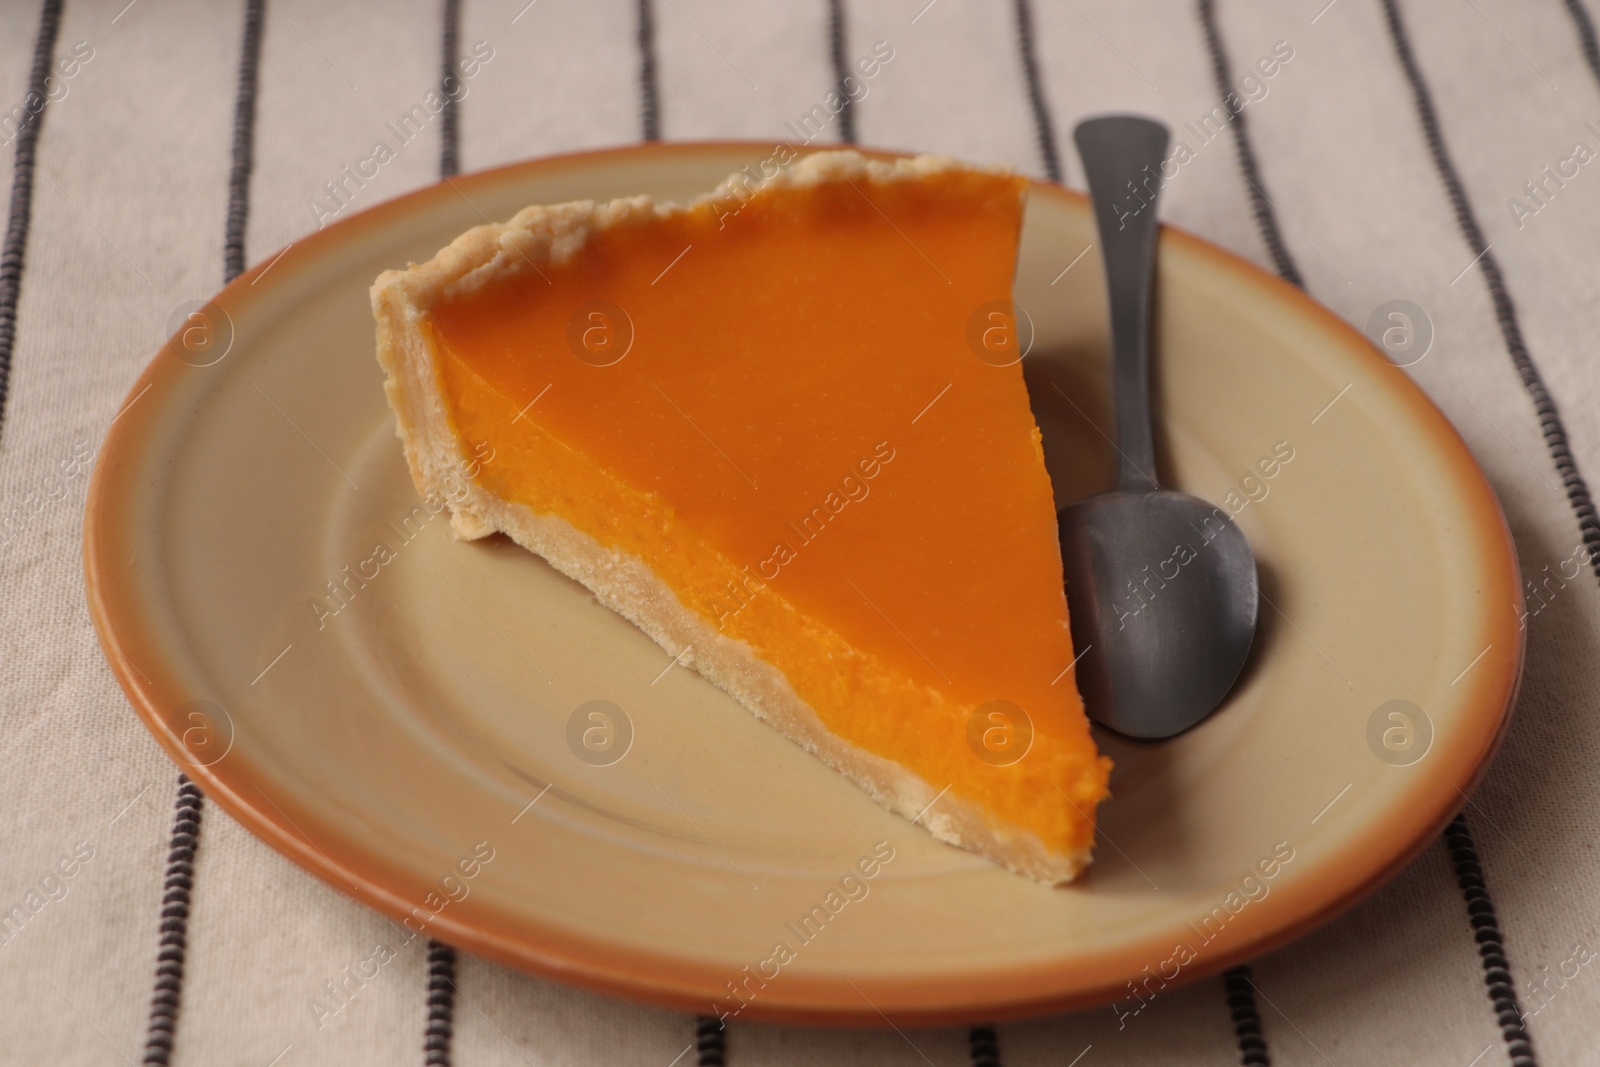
793, 405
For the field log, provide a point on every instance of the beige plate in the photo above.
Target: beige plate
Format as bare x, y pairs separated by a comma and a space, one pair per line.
256, 460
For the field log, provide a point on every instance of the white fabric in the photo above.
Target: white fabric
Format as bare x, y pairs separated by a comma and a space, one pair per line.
128, 218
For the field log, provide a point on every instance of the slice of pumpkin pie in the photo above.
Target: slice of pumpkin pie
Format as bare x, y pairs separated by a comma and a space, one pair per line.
784, 431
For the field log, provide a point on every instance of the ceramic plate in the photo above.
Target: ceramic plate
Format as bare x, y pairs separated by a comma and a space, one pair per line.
404, 716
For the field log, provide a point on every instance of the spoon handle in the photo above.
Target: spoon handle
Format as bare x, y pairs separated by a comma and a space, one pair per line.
1122, 155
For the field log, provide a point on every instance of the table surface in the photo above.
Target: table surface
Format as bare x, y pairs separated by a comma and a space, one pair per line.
1326, 175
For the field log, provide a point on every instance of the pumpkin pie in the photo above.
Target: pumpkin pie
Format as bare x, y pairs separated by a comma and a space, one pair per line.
783, 430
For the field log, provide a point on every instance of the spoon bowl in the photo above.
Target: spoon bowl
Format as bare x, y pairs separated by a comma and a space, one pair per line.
1164, 600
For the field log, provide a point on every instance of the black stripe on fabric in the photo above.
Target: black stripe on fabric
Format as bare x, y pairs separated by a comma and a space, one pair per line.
20, 215
1043, 125
841, 71
1491, 945
1241, 992
1260, 206
449, 86
1238, 985
649, 100
441, 1005
1586, 37
244, 137
983, 1045
178, 886
176, 892
710, 1042
1555, 431
439, 1031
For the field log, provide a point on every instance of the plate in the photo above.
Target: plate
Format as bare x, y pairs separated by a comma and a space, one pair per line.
465, 740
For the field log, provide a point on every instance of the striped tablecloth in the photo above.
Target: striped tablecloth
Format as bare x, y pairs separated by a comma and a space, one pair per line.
1440, 152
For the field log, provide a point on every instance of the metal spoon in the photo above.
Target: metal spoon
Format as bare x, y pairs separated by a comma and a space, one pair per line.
1162, 585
